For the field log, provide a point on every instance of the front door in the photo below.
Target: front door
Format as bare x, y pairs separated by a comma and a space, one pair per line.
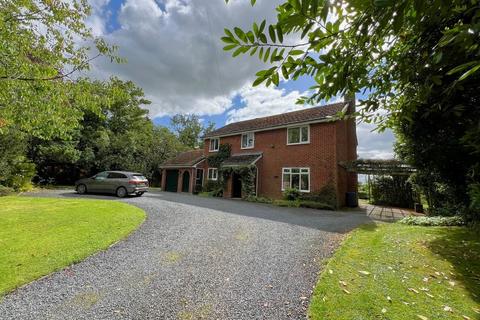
171, 180
186, 181
236, 186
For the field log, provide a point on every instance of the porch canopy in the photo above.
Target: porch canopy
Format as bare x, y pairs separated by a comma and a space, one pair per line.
240, 160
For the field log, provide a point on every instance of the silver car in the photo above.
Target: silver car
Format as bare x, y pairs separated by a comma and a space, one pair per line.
120, 183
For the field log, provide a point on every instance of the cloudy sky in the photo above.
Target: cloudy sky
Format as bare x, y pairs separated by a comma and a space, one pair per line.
175, 55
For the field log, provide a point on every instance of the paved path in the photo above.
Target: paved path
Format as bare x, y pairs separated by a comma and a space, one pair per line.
193, 258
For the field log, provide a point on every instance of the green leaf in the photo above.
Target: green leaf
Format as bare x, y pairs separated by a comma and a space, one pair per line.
462, 67
229, 33
267, 53
260, 54
262, 26
324, 12
306, 29
274, 55
230, 47
255, 29
469, 72
238, 51
250, 36
271, 31
285, 72
228, 40
263, 38
275, 79
296, 52
279, 33
253, 51
240, 34
258, 81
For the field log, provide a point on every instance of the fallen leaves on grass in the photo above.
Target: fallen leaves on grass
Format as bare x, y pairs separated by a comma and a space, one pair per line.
447, 309
422, 317
365, 273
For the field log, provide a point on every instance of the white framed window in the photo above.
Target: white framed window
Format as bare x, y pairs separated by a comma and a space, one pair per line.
214, 144
298, 135
296, 178
248, 140
212, 174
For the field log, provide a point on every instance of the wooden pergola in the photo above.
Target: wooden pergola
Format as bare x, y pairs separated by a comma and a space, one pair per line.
378, 167
390, 167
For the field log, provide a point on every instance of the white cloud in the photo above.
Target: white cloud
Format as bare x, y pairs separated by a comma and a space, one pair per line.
175, 54
372, 144
262, 101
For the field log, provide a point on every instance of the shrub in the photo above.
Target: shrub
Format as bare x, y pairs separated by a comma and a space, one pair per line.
197, 189
291, 194
393, 191
327, 195
315, 205
5, 191
258, 199
215, 188
433, 221
286, 203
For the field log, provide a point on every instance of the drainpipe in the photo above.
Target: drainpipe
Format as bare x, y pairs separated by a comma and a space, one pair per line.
256, 181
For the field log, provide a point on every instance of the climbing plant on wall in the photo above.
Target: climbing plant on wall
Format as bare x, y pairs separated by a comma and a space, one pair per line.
247, 177
224, 151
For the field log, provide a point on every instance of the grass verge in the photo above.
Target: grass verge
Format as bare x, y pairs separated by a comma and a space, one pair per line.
40, 235
395, 271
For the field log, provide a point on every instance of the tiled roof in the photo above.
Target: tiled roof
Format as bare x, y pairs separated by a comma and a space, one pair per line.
241, 159
185, 159
311, 114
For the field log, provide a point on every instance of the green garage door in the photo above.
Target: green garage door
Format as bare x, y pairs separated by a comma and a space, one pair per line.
172, 181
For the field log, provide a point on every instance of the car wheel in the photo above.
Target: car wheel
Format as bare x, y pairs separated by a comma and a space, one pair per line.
121, 192
82, 189
139, 194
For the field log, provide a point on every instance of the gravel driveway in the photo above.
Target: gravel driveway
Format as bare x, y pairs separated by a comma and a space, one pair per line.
193, 258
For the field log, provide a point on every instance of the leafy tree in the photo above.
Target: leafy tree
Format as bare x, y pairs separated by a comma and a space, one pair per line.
190, 129
40, 51
417, 62
119, 137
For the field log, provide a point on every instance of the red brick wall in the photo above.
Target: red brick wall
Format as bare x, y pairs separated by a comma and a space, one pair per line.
329, 143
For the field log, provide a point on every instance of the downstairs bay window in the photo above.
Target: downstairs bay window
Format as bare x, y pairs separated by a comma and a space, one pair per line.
296, 178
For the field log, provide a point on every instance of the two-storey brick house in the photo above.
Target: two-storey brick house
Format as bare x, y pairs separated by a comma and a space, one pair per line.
301, 149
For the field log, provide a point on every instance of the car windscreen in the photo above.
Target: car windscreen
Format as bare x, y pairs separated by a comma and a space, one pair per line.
139, 177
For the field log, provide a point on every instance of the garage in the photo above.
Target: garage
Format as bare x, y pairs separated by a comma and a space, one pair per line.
179, 173
171, 183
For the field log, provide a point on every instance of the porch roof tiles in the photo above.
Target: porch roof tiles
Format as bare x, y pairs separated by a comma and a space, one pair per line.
242, 159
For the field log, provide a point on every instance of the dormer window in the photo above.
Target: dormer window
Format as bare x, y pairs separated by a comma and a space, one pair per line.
214, 144
248, 140
298, 135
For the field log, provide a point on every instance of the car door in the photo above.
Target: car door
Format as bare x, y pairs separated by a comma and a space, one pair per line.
114, 180
99, 182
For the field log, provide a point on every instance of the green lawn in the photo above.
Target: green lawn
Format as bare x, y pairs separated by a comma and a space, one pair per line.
40, 235
394, 271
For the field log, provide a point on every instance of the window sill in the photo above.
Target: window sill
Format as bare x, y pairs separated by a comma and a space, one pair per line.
298, 143
246, 148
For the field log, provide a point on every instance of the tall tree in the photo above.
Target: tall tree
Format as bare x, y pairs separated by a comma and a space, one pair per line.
190, 129
40, 51
418, 62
